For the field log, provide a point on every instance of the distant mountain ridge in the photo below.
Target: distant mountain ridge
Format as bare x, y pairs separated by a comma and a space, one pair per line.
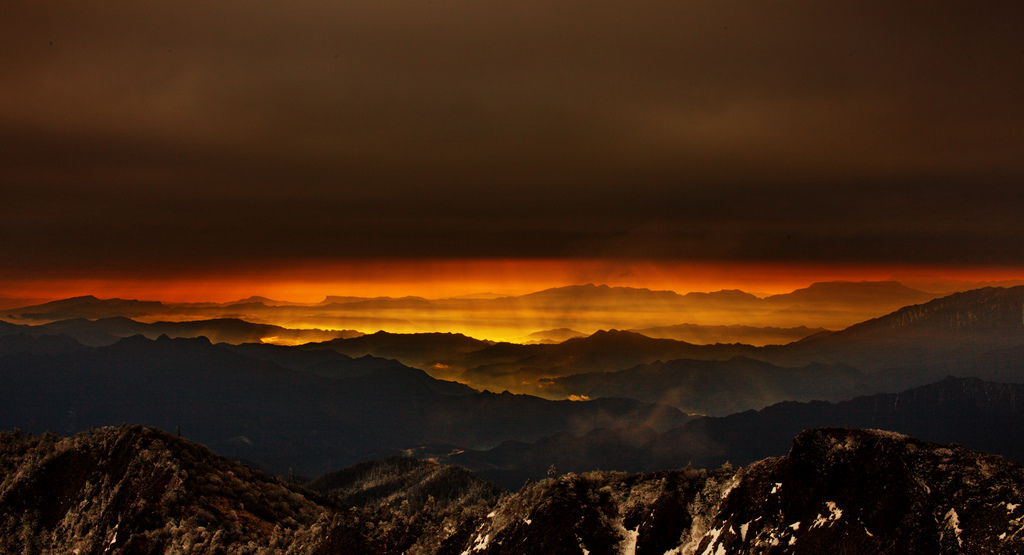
716, 387
960, 326
852, 293
88, 306
590, 292
7, 303
278, 407
552, 336
972, 333
315, 409
978, 332
981, 415
751, 335
107, 331
509, 366
829, 305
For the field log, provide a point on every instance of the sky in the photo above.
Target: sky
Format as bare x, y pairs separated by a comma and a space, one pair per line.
175, 146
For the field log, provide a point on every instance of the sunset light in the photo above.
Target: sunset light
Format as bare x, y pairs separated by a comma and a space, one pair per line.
460, 276
480, 298
307, 282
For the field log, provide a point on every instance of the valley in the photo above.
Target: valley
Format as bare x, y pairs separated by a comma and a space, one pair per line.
337, 412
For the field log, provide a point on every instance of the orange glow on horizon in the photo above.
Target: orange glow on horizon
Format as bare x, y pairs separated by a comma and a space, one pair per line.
438, 279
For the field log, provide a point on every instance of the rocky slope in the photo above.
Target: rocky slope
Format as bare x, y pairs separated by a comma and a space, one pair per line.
134, 490
954, 328
406, 482
838, 491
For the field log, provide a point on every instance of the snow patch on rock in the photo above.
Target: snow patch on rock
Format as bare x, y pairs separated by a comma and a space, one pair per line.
480, 544
714, 539
834, 514
952, 521
629, 543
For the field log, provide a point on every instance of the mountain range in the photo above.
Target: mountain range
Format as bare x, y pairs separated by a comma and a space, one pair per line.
947, 370
715, 387
751, 335
981, 415
589, 307
108, 330
314, 410
975, 333
130, 490
286, 408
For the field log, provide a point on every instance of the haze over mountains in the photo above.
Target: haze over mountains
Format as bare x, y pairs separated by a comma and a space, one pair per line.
907, 347
585, 308
253, 249
328, 403
314, 414
948, 369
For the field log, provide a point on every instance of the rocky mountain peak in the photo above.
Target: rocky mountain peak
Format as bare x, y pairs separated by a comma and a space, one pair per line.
872, 492
867, 490
135, 490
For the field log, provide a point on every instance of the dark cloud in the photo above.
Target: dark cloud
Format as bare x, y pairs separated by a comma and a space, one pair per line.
205, 133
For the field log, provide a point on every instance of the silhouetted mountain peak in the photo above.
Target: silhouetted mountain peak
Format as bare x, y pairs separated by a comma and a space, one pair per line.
116, 320
553, 335
165, 346
949, 330
397, 345
961, 397
590, 291
132, 340
852, 293
614, 338
986, 307
79, 299
260, 300
723, 296
87, 306
615, 333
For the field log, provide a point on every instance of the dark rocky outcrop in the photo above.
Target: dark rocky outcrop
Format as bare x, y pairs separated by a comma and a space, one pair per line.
134, 490
838, 491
